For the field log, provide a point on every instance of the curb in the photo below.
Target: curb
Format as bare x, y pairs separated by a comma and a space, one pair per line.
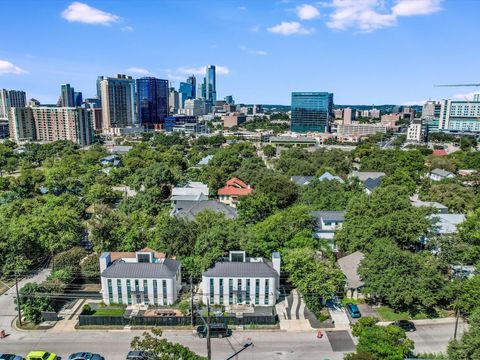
448, 320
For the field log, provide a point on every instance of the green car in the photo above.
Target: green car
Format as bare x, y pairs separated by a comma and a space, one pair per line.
41, 355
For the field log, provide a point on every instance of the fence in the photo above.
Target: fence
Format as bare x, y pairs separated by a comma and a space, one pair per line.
90, 320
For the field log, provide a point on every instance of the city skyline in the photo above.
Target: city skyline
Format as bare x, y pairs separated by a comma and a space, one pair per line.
369, 51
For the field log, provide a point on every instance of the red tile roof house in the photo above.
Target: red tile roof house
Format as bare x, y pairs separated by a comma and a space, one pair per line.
234, 189
439, 152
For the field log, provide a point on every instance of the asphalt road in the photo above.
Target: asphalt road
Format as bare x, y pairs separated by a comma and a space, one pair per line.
267, 344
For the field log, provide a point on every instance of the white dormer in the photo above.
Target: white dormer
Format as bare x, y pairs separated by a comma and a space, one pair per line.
144, 257
237, 256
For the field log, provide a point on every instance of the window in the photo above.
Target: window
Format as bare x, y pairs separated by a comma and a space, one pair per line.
164, 290
247, 295
145, 292
155, 293
257, 291
267, 290
143, 258
137, 292
221, 291
212, 290
230, 291
119, 291
239, 291
110, 291
129, 292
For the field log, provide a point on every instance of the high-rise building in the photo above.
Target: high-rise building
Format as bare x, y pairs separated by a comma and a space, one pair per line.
193, 83
375, 113
414, 132
229, 100
118, 101
196, 107
152, 100
311, 111
210, 84
348, 115
67, 96
78, 98
45, 123
187, 92
33, 102
459, 115
174, 100
11, 98
201, 90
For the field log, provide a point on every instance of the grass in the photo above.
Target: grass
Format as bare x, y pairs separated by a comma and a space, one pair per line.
109, 311
387, 314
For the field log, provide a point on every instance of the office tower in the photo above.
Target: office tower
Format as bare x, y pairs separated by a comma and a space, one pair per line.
257, 109
67, 96
229, 100
33, 102
201, 90
338, 113
349, 115
414, 132
93, 103
77, 98
118, 101
196, 107
174, 100
476, 97
95, 118
11, 98
459, 115
51, 124
193, 82
152, 100
187, 92
311, 111
210, 84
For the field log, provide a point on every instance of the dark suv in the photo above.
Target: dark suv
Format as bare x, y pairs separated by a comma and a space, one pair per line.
216, 330
405, 325
139, 355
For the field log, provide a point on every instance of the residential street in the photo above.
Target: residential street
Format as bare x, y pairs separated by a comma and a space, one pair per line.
7, 300
268, 344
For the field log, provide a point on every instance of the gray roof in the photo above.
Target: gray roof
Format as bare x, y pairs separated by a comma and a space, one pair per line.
190, 209
372, 183
191, 197
205, 160
327, 176
336, 216
447, 223
441, 172
349, 265
364, 175
302, 180
121, 269
241, 269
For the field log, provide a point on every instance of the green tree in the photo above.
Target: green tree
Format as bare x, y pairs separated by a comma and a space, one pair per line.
33, 303
162, 349
90, 268
254, 208
468, 347
456, 197
269, 151
380, 342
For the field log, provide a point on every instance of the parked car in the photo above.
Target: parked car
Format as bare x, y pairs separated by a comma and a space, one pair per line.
10, 357
42, 355
139, 355
353, 311
85, 356
405, 325
216, 330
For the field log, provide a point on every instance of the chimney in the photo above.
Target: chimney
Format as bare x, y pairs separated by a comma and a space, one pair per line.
276, 262
105, 261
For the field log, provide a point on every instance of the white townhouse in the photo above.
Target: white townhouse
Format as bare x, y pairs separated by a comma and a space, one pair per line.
239, 279
440, 174
144, 277
326, 223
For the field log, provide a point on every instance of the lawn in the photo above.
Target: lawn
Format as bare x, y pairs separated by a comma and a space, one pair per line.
109, 311
387, 314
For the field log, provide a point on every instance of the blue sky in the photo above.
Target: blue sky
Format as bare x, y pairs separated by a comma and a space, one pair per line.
364, 51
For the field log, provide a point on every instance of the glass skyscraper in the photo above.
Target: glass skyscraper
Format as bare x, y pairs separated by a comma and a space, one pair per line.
187, 91
311, 111
193, 82
152, 100
210, 84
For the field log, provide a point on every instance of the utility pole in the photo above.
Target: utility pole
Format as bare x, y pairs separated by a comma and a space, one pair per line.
458, 309
209, 345
18, 300
192, 314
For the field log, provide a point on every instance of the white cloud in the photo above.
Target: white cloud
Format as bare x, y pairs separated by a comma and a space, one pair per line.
466, 96
139, 70
127, 28
6, 67
80, 12
416, 7
220, 70
307, 12
364, 15
243, 8
370, 15
290, 28
253, 51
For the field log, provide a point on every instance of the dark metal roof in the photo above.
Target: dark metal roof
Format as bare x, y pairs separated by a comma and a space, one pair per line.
122, 269
242, 269
371, 184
